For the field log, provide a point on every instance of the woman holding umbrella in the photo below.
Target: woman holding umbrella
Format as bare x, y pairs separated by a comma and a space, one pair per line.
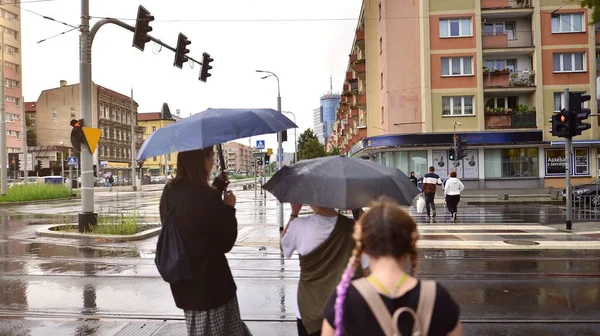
207, 225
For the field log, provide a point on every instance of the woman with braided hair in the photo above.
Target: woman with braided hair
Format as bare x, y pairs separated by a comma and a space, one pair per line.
388, 236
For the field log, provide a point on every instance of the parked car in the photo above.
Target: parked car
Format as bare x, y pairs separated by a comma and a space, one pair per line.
589, 192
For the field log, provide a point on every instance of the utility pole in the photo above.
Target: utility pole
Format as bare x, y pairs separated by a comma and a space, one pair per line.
568, 146
3, 151
87, 216
70, 174
25, 148
133, 120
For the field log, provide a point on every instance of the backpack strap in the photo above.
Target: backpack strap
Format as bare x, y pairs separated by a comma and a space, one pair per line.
378, 308
426, 304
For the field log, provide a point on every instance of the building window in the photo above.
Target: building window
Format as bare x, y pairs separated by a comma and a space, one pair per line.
502, 102
568, 23
72, 112
18, 134
154, 159
456, 106
568, 62
457, 66
405, 160
510, 64
379, 11
381, 80
500, 28
53, 113
380, 45
455, 27
153, 129
12, 66
511, 163
11, 83
559, 100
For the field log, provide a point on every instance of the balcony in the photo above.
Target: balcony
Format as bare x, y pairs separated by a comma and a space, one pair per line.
353, 58
360, 38
519, 80
507, 40
349, 76
361, 99
353, 85
354, 111
501, 118
506, 8
359, 67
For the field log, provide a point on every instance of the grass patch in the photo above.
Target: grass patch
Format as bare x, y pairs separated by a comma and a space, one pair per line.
122, 224
35, 192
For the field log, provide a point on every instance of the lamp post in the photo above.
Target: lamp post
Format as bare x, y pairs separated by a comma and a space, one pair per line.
279, 142
295, 138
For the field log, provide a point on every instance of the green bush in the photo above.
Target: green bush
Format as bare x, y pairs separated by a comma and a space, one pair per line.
123, 224
35, 192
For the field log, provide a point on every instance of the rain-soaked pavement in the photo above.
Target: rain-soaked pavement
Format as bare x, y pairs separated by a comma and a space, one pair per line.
52, 286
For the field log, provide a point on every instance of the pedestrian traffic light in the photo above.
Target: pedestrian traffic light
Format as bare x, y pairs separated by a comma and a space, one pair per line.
451, 154
140, 164
142, 28
181, 51
38, 167
578, 113
267, 158
560, 124
95, 169
284, 136
206, 59
77, 136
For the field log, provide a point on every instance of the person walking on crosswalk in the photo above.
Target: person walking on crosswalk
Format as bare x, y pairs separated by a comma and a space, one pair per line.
430, 182
452, 189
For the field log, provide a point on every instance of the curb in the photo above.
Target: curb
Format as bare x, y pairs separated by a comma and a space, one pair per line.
46, 232
551, 202
40, 201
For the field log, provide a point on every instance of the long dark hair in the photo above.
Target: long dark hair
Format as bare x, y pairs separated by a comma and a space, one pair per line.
384, 231
191, 166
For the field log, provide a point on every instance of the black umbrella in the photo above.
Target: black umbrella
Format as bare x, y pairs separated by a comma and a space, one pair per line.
340, 183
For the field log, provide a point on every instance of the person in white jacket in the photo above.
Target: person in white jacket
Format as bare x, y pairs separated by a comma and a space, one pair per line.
452, 191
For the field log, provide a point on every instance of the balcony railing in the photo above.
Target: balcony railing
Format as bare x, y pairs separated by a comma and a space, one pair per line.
515, 39
506, 120
506, 4
506, 78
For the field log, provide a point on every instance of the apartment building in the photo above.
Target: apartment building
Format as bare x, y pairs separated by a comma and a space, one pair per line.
111, 112
239, 157
151, 122
493, 71
10, 22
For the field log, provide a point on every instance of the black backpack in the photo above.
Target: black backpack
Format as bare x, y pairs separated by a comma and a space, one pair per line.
171, 259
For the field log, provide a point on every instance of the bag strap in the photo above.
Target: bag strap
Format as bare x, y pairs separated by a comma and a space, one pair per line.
378, 308
169, 211
426, 304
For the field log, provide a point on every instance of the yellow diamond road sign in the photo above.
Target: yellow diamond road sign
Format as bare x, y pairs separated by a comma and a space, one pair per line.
92, 135
270, 151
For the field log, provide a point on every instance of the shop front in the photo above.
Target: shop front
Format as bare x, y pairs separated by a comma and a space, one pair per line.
494, 160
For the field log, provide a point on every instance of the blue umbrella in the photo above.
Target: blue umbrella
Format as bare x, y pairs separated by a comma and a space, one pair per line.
212, 127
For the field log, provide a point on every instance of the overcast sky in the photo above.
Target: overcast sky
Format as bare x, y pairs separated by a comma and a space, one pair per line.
302, 53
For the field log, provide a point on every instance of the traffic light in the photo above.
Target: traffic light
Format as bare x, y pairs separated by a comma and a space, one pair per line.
461, 146
77, 136
142, 28
206, 59
140, 164
259, 162
284, 136
561, 124
95, 169
38, 167
451, 154
267, 158
578, 113
181, 51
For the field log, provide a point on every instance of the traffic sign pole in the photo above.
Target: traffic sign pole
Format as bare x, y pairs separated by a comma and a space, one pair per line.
568, 145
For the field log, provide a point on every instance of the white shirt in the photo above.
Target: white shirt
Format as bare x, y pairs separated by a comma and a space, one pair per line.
305, 234
453, 186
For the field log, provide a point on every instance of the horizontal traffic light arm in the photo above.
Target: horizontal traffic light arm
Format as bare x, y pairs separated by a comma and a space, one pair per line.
122, 24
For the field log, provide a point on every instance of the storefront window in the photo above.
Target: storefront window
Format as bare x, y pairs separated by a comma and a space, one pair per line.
406, 161
556, 162
515, 162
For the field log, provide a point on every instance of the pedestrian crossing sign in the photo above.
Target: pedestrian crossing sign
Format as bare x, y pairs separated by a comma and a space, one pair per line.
72, 161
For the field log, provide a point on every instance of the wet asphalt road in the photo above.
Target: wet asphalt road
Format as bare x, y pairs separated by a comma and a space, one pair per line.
50, 286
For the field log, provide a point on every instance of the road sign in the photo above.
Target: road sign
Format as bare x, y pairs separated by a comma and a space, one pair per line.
72, 161
258, 155
260, 144
270, 151
92, 135
29, 161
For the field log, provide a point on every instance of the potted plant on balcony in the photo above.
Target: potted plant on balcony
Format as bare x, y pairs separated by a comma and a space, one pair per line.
347, 93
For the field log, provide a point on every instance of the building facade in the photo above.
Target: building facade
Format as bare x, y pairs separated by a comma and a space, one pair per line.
159, 165
318, 124
10, 20
493, 71
111, 112
239, 158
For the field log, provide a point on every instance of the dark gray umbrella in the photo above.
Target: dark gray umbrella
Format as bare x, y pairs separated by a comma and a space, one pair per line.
340, 183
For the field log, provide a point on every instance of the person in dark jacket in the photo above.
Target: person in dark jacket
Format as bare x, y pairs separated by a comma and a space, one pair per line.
413, 178
430, 182
205, 219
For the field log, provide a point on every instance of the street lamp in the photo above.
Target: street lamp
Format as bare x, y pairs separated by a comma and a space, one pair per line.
279, 141
295, 138
457, 124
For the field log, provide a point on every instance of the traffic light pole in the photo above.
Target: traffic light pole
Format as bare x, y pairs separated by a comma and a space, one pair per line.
87, 216
3, 150
568, 146
132, 137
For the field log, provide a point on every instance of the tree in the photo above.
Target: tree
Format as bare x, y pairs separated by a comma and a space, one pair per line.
594, 5
309, 146
335, 151
31, 135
